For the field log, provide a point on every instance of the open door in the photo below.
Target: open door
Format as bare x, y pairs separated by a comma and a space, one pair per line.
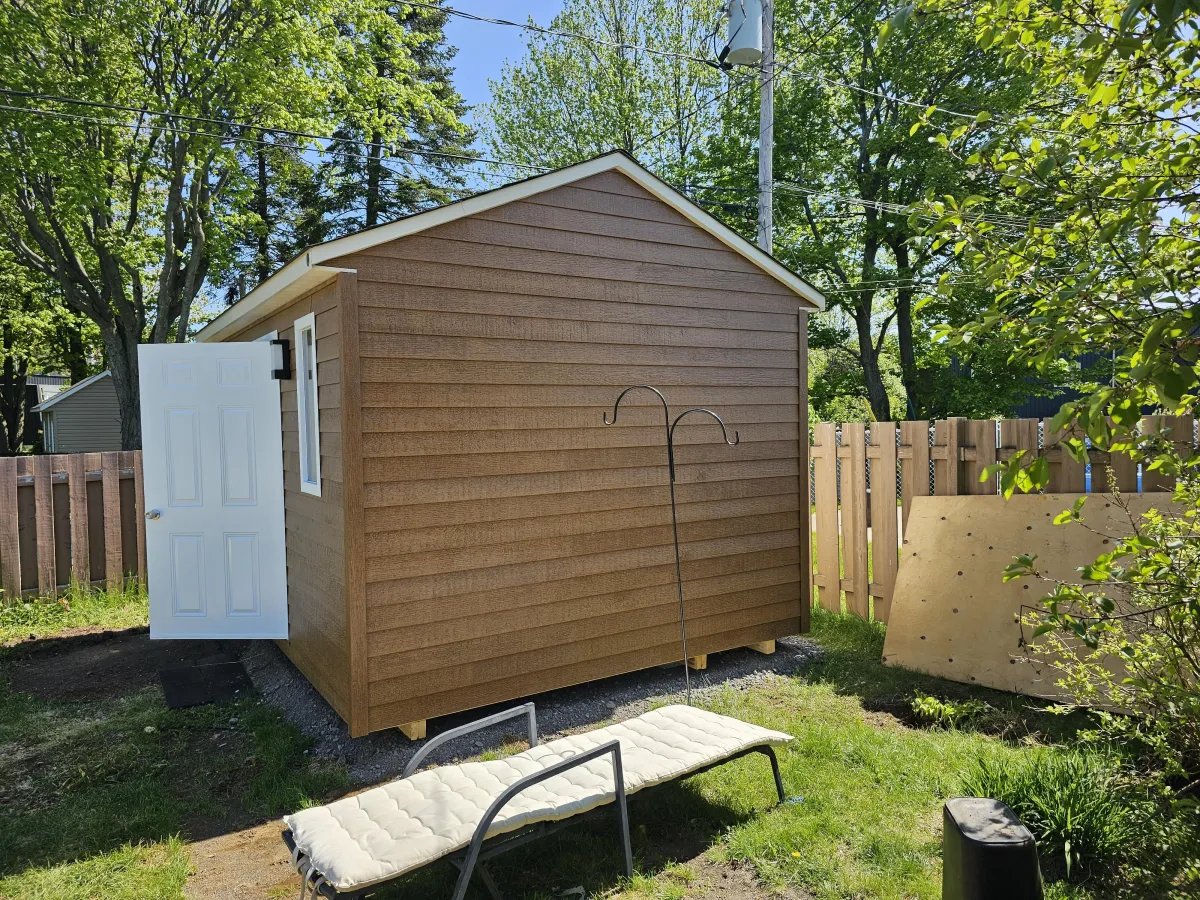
212, 455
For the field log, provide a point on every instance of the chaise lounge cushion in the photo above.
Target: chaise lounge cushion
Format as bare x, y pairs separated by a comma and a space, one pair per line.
401, 826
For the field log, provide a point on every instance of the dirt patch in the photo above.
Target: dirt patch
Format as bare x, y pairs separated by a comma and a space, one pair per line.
98, 666
721, 881
252, 864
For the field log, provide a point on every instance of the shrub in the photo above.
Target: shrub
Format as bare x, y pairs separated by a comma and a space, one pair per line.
1074, 804
947, 713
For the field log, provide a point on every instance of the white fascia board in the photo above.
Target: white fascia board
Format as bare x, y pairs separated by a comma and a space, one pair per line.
294, 280
67, 392
306, 272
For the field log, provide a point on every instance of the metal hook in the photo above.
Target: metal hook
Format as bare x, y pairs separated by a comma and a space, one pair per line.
669, 426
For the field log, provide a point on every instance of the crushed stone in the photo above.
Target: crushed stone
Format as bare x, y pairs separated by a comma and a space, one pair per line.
382, 755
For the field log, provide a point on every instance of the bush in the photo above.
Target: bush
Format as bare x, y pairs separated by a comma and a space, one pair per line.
1080, 814
947, 713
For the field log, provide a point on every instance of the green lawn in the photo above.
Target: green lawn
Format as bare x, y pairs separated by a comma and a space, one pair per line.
100, 798
75, 609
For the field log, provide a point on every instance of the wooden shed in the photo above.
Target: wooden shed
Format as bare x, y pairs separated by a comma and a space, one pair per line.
461, 527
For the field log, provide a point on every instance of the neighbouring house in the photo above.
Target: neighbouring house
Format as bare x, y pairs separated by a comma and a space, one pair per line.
457, 525
82, 418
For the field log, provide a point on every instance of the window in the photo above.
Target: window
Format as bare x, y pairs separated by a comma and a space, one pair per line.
48, 432
306, 405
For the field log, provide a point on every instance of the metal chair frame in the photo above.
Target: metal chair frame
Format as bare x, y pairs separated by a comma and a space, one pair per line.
482, 849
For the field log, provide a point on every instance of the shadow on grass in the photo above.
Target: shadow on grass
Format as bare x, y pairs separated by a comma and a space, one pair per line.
852, 665
670, 823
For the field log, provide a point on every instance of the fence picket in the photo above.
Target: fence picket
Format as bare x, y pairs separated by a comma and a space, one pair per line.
828, 577
81, 561
1067, 474
43, 499
914, 471
981, 438
884, 534
10, 542
854, 519
947, 438
110, 477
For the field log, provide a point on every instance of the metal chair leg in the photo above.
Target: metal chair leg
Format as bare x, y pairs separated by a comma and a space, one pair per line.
488, 882
770, 754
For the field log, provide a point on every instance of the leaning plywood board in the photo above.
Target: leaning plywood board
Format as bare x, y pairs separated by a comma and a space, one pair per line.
953, 616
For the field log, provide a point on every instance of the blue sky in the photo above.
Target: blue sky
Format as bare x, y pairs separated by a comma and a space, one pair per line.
483, 48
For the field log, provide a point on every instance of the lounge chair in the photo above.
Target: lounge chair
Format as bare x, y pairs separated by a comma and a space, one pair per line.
355, 846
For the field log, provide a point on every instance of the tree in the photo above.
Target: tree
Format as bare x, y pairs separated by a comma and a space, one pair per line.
125, 203
385, 160
568, 99
1105, 161
37, 333
847, 167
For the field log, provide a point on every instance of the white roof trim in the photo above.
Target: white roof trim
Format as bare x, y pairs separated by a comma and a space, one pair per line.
297, 277
67, 392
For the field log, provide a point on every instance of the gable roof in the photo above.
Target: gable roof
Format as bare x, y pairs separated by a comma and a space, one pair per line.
73, 389
305, 272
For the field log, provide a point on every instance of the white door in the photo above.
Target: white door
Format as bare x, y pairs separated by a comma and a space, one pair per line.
212, 454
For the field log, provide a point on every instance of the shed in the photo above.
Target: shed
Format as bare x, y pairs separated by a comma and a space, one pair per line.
83, 418
461, 527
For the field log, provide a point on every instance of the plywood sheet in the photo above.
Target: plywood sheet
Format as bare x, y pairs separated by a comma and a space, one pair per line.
953, 616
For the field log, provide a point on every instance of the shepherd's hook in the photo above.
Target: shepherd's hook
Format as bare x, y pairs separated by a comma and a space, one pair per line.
669, 427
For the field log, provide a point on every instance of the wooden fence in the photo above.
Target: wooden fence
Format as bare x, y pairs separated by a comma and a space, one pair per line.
70, 519
861, 473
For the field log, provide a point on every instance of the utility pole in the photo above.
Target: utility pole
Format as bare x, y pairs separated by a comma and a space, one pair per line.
766, 127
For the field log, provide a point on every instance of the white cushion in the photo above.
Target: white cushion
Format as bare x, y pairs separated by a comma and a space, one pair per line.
401, 826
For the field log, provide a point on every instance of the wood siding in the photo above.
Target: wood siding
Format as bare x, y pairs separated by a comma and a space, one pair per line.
319, 642
515, 544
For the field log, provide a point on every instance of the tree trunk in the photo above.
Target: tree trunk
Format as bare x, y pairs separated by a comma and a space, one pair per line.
120, 345
12, 398
904, 331
262, 261
374, 155
881, 407
70, 340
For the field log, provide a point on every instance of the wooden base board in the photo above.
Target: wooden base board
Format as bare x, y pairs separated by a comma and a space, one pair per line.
767, 647
699, 663
953, 615
414, 731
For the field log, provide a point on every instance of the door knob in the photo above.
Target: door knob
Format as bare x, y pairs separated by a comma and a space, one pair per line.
153, 514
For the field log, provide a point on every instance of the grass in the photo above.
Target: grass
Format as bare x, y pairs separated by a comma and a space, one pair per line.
866, 788
76, 608
100, 799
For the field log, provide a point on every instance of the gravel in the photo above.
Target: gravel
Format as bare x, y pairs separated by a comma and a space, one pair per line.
382, 755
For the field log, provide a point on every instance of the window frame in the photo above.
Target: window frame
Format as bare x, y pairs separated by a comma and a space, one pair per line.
306, 368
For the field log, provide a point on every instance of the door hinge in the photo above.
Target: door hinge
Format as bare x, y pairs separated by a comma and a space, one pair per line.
284, 372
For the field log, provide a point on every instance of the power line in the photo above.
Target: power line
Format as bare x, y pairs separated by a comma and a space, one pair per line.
244, 139
570, 35
227, 123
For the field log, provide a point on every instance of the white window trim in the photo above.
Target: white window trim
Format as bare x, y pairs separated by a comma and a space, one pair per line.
307, 323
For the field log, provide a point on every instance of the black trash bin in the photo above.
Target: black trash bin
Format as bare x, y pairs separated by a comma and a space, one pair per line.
987, 853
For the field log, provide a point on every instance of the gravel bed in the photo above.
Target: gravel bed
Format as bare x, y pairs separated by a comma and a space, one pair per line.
382, 755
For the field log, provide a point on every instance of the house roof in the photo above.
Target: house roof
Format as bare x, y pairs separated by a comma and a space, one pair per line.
305, 272
67, 392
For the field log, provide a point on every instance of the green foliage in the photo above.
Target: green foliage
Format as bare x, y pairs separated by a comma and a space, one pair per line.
1104, 260
558, 105
1124, 636
1074, 804
947, 713
130, 212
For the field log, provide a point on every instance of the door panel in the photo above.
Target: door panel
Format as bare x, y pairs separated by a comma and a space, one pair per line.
213, 463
